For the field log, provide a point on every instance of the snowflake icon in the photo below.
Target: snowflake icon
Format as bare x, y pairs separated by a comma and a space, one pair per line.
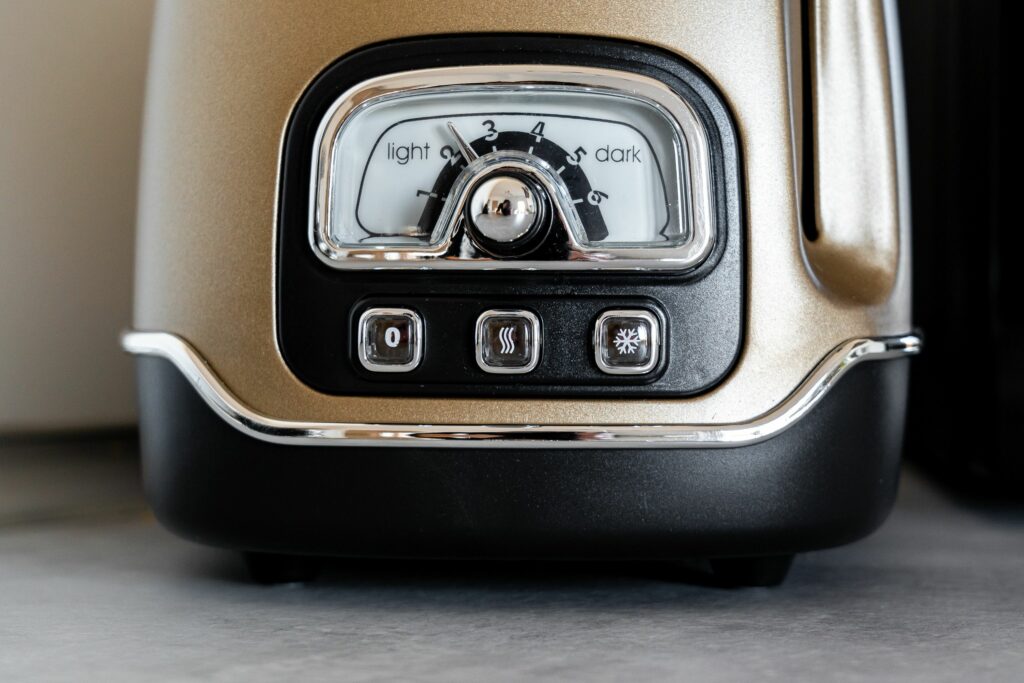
627, 341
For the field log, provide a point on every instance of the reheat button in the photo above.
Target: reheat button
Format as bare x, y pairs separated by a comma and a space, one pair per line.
508, 341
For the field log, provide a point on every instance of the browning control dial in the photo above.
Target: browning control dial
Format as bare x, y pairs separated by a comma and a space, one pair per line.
623, 160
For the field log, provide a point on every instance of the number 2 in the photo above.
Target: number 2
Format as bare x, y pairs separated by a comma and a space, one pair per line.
449, 153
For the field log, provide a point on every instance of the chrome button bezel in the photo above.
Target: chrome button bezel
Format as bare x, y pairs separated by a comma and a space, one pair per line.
535, 347
415, 341
656, 331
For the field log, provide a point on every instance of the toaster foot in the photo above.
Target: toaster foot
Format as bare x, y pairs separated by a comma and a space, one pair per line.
751, 571
272, 568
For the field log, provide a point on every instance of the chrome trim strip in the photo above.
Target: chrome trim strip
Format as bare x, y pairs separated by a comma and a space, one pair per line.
291, 432
698, 195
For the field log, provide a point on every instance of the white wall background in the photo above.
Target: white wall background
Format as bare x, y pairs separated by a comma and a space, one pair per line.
71, 88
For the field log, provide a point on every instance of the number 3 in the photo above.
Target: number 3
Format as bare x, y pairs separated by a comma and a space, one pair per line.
492, 132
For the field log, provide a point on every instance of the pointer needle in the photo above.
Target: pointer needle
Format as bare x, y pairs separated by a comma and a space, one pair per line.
464, 147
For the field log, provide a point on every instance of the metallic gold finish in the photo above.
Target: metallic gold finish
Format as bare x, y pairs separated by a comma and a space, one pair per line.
225, 77
786, 414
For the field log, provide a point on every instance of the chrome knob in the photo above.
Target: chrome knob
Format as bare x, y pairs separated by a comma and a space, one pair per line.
504, 208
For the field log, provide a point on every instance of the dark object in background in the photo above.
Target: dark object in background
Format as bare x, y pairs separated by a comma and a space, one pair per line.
967, 393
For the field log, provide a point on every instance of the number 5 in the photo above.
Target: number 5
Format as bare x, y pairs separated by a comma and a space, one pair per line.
576, 157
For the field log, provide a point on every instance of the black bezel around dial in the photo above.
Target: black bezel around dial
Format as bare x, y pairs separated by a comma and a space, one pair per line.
317, 306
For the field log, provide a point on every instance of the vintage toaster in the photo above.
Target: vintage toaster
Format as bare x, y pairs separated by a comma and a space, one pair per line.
575, 280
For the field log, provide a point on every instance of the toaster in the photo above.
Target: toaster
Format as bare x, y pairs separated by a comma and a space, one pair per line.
557, 281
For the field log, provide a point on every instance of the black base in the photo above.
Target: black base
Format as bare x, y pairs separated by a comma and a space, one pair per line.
829, 479
751, 571
730, 572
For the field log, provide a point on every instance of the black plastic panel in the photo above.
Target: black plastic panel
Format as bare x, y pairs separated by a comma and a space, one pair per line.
316, 303
829, 479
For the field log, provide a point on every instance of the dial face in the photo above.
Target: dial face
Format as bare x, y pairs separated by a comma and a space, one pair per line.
619, 159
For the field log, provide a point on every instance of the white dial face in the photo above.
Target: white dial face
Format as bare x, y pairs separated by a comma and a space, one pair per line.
621, 159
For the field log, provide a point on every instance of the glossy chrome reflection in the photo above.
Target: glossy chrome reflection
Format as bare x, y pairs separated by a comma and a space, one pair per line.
266, 428
503, 208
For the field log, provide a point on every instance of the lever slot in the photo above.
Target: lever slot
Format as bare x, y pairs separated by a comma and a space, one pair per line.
849, 179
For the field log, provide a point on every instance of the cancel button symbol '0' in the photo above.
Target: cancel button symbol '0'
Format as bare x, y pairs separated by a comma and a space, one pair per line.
390, 339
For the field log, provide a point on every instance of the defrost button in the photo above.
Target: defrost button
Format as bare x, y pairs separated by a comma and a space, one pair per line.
627, 342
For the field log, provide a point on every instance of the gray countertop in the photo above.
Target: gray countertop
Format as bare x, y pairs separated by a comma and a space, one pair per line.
91, 588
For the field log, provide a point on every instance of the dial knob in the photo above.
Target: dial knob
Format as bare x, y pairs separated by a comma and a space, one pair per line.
504, 209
